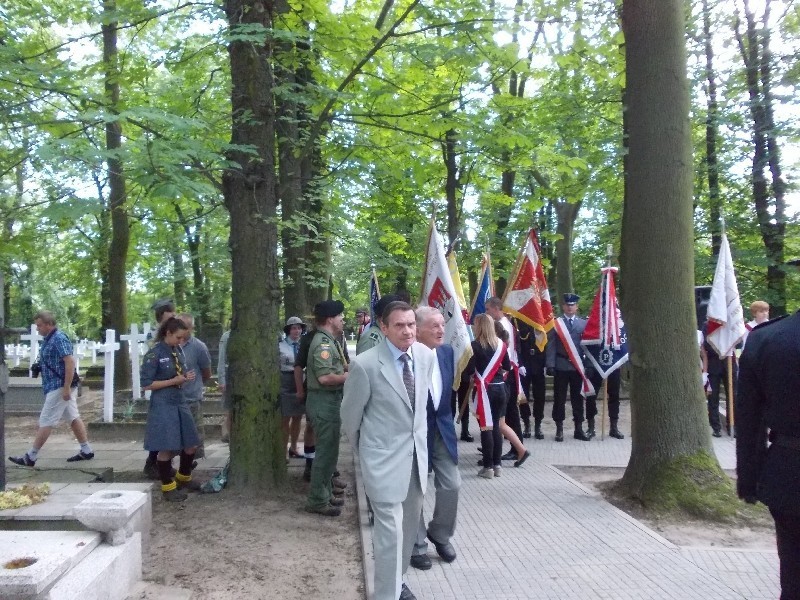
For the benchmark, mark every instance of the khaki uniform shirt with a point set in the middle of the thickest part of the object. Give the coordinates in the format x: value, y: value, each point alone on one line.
x: 325, y: 356
x: 369, y: 339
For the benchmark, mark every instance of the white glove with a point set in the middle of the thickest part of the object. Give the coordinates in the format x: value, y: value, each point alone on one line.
x: 705, y: 380
x: 523, y: 371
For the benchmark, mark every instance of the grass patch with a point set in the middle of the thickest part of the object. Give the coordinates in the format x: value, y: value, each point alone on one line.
x: 692, y: 486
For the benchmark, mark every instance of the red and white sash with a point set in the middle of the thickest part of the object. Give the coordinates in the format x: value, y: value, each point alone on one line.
x: 587, y: 389
x: 480, y: 402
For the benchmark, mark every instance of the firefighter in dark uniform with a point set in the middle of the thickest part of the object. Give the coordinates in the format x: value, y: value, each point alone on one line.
x: 768, y: 435
x: 533, y: 382
x: 326, y: 372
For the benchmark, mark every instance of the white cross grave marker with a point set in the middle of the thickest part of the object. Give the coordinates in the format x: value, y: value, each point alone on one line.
x: 34, y: 338
x: 134, y: 349
x: 93, y: 348
x: 108, y: 388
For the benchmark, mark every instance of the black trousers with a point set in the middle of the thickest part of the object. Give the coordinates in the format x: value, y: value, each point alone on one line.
x: 718, y: 382
x: 456, y: 400
x: 534, y: 388
x: 498, y: 402
x: 613, y: 393
x: 787, y: 532
x: 563, y: 380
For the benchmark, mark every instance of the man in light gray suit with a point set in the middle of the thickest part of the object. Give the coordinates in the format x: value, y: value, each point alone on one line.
x: 384, y: 413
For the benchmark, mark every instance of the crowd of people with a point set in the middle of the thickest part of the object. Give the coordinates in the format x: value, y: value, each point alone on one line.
x: 400, y: 398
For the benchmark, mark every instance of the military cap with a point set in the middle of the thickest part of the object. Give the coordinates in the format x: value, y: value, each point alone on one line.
x: 293, y: 321
x: 163, y: 303
x: 328, y: 308
x: 571, y: 298
x: 362, y: 311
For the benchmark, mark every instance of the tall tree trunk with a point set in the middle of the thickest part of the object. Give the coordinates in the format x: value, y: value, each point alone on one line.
x: 712, y: 133
x: 257, y: 452
x: 290, y: 187
x: 178, y: 271
x: 657, y: 269
x: 451, y: 187
x: 566, y: 214
x: 193, y: 232
x: 117, y: 198
x: 771, y: 213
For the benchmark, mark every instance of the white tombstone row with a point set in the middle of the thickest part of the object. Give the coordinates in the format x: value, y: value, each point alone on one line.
x: 137, y: 346
x: 16, y: 352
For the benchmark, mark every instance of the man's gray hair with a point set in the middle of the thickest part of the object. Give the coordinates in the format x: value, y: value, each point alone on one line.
x: 187, y: 318
x: 424, y: 313
x: 46, y: 317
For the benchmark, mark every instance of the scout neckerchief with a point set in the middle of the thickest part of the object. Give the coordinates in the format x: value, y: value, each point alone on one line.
x: 480, y: 403
x: 587, y: 389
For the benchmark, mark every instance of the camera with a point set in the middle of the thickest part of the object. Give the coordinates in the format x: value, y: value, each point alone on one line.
x: 36, y: 369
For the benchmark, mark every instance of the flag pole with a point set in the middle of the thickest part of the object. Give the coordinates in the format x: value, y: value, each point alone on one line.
x: 375, y: 277
x: 609, y: 255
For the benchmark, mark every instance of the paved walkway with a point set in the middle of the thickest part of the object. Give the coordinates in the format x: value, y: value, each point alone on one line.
x: 536, y: 533
x: 533, y: 533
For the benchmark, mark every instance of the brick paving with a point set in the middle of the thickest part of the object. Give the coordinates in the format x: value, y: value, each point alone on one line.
x: 535, y: 533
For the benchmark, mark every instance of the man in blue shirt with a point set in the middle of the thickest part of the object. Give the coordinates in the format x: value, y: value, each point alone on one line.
x: 57, y: 366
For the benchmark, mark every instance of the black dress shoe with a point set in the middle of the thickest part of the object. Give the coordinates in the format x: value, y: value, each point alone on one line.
x: 580, y: 435
x: 405, y: 593
x: 616, y: 433
x: 446, y: 551
x: 466, y: 437
x: 526, y: 456
x: 510, y: 455
x: 717, y: 433
x: 421, y: 562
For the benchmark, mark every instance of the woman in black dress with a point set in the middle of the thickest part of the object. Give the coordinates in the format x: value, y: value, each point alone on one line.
x: 487, y: 366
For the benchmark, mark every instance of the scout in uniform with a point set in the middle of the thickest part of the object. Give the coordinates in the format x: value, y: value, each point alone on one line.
x: 326, y: 372
x: 372, y: 335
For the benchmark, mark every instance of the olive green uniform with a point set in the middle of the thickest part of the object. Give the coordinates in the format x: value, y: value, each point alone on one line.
x: 369, y: 339
x: 323, y: 403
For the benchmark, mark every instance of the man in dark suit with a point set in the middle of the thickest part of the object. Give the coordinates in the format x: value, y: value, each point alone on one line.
x: 442, y: 444
x: 767, y: 408
x: 564, y: 366
x: 716, y: 368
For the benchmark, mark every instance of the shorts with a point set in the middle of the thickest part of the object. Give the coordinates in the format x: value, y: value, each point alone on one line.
x: 55, y: 407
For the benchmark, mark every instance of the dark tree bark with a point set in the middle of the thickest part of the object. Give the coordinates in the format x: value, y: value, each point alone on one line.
x: 566, y: 215
x: 117, y: 199
x: 257, y: 452
x: 193, y: 234
x: 770, y: 204
x: 290, y: 187
x: 657, y: 263
x: 451, y: 184
x: 712, y: 133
